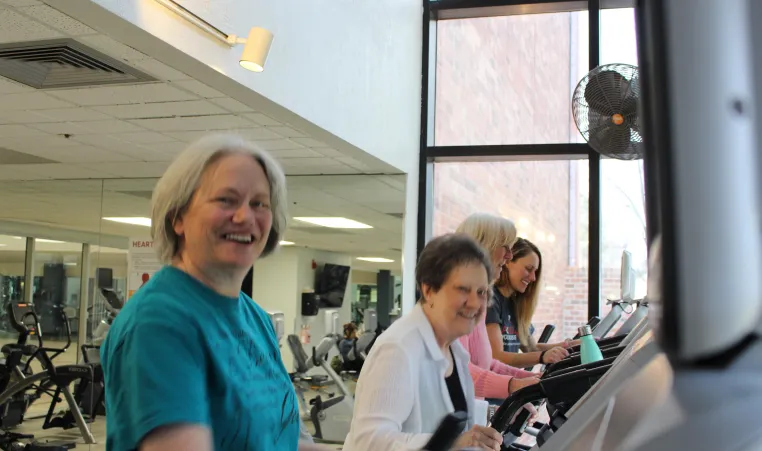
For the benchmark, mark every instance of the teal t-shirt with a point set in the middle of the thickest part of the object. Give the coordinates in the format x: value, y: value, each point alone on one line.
x: 180, y: 353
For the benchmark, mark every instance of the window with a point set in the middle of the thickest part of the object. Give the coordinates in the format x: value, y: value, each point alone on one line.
x: 623, y: 221
x: 545, y: 201
x: 509, y: 79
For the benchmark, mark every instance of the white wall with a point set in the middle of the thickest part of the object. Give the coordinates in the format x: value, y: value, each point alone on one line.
x: 352, y: 68
x: 277, y: 286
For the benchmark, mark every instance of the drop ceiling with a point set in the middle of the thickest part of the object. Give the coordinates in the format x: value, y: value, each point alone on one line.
x: 133, y: 130
x: 56, y: 145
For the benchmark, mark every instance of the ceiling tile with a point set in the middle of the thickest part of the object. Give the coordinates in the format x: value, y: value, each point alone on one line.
x: 295, y: 153
x: 142, y: 153
x: 18, y: 3
x: 308, y: 142
x: 112, y: 48
x: 328, y: 152
x: 14, y: 131
x: 310, y: 162
x: 73, y: 115
x: 144, y: 137
x: 37, y: 143
x: 261, y: 119
x: 278, y: 144
x: 349, y: 161
x: 134, y: 169
x: 60, y: 128
x: 232, y: 105
x: 65, y: 171
x: 320, y: 170
x: 220, y: 122
x: 14, y: 172
x: 57, y: 20
x: 8, y: 156
x: 173, y: 147
x: 111, y: 126
x: 30, y: 101
x: 20, y: 28
x: 160, y: 70
x: 255, y: 134
x: 162, y: 109
x: 84, y: 154
x: 104, y: 142
x: 9, y: 86
x: 22, y: 117
x: 287, y: 132
x: 199, y: 88
x: 123, y: 95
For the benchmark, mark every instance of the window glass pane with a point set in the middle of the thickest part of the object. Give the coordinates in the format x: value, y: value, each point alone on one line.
x: 623, y: 221
x: 544, y: 200
x: 618, y: 38
x: 57, y: 273
x: 12, y: 249
x: 509, y: 79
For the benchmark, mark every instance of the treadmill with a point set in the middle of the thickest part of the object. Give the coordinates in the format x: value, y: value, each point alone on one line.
x: 633, y: 351
x: 574, y: 428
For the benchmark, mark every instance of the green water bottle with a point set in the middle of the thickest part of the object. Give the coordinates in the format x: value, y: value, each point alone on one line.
x: 588, y: 349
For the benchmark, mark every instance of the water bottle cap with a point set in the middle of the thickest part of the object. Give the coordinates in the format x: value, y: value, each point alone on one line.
x: 584, y: 330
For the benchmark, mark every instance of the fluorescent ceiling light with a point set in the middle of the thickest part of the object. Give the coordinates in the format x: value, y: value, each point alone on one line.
x: 134, y: 221
x: 43, y: 240
x: 335, y: 223
x: 375, y: 259
x: 286, y: 243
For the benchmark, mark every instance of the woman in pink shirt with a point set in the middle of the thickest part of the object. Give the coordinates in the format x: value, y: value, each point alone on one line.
x: 492, y: 378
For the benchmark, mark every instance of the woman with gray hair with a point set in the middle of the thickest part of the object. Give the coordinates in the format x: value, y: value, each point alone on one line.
x: 191, y: 363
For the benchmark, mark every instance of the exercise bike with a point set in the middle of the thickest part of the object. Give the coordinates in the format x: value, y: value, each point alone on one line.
x: 16, y: 380
x: 331, y: 416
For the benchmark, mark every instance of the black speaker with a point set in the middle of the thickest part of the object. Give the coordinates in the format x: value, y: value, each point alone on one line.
x: 310, y: 304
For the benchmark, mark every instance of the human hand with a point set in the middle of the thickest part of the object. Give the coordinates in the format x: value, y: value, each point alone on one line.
x: 553, y: 355
x: 568, y: 343
x: 532, y: 413
x: 516, y: 384
x: 481, y: 437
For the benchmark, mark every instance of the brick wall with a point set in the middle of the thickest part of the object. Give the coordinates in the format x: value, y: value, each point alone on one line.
x: 508, y: 80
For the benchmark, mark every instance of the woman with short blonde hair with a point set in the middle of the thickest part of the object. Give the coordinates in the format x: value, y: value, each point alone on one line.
x: 493, y: 379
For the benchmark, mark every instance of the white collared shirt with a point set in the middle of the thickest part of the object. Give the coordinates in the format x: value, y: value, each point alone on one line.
x: 402, y: 395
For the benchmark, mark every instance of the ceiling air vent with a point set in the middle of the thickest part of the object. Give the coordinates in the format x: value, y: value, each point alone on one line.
x: 63, y: 63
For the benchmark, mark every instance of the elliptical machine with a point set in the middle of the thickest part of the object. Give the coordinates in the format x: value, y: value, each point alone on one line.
x: 331, y: 416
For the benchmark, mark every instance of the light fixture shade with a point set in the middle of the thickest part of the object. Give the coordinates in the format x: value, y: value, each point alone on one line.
x: 256, y: 49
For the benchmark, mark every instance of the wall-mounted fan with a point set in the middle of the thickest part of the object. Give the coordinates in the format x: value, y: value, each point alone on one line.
x: 605, y: 109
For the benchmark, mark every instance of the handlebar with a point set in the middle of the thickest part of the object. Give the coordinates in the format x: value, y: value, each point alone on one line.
x: 555, y: 389
x: 615, y: 340
x: 576, y: 359
x: 447, y: 432
x: 546, y: 333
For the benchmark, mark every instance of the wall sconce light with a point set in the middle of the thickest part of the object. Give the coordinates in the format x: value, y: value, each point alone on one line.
x: 255, y: 50
x: 256, y: 45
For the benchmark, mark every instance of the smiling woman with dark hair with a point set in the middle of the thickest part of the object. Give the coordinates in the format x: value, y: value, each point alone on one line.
x: 417, y: 371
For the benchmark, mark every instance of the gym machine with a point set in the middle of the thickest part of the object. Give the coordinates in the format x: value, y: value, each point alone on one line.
x: 332, y: 416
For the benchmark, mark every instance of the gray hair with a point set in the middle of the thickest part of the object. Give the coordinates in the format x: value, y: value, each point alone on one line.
x: 180, y: 181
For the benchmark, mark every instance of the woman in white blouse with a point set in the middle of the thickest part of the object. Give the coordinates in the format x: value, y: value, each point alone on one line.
x: 417, y: 371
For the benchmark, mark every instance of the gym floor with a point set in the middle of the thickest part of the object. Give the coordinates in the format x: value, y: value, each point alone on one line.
x: 98, y: 428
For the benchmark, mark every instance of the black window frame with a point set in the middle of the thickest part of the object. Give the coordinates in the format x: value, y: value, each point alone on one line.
x: 435, y: 10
